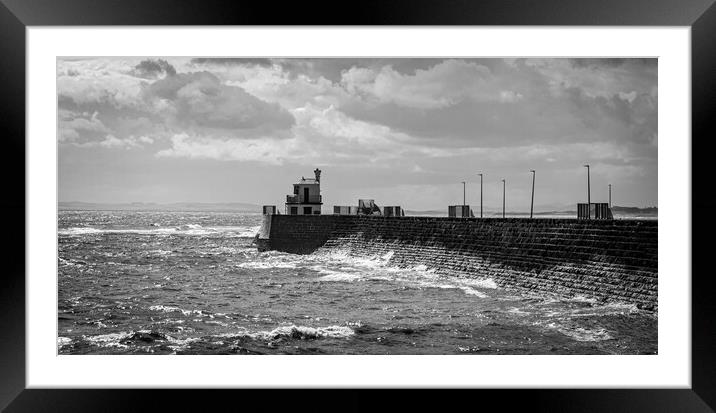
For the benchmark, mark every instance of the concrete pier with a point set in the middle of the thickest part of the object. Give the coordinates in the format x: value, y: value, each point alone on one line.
x: 605, y: 259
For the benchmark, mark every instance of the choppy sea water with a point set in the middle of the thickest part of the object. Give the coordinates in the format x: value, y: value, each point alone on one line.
x: 193, y: 283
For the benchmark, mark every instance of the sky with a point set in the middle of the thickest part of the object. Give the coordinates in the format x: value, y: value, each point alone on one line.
x: 401, y: 131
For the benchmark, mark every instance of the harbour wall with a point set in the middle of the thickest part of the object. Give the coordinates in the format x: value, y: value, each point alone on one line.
x: 603, y: 259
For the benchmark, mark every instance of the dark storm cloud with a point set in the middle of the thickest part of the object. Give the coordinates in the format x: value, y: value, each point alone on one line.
x: 333, y: 68
x: 150, y: 69
x: 637, y: 119
x: 608, y: 62
x: 232, y: 61
x: 580, y: 119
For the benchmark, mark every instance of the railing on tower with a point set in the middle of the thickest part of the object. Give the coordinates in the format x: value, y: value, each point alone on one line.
x: 300, y: 199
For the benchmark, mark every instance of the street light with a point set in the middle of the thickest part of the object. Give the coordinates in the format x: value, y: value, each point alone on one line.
x: 480, y: 195
x: 463, y: 193
x: 503, y: 198
x: 610, y: 195
x: 589, y: 199
x: 533, y: 192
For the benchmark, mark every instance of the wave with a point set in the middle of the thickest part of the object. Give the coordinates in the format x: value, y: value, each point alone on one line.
x: 188, y: 229
x: 170, y: 309
x: 181, y: 344
x: 63, y: 341
x: 109, y: 340
x: 341, y: 266
x: 584, y: 334
x: 127, y: 339
x: 301, y: 333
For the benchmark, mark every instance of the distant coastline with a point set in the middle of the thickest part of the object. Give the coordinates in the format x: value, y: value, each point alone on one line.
x: 619, y: 211
x: 151, y: 206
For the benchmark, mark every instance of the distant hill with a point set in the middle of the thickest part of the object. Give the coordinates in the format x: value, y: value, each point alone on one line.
x: 151, y: 206
x: 618, y: 211
x: 431, y: 213
x: 635, y: 210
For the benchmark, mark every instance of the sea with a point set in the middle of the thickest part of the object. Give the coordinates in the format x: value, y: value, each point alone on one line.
x: 193, y: 282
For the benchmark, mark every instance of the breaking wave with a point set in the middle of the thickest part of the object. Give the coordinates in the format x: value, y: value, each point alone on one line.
x: 339, y: 265
x: 298, y: 332
x: 170, y: 309
x: 344, y: 267
x: 188, y: 229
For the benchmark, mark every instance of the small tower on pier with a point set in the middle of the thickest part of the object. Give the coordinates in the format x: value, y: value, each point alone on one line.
x: 306, y: 198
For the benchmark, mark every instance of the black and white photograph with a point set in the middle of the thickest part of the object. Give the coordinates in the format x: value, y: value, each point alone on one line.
x: 357, y: 205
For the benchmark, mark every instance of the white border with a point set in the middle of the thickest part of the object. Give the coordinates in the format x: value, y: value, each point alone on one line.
x: 670, y: 368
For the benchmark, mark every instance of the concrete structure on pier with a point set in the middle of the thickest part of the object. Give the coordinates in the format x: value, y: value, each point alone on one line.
x: 306, y: 198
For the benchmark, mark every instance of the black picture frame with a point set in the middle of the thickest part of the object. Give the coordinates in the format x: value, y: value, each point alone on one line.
x: 16, y: 15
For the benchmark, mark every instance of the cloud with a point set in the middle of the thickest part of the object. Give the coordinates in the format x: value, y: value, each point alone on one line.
x: 80, y: 127
x: 442, y: 85
x: 269, y: 151
x: 200, y: 99
x: 361, y: 111
x: 231, y: 61
x: 523, y: 101
x: 151, y: 69
x: 320, y: 136
x: 599, y: 63
x: 126, y: 98
x: 102, y: 81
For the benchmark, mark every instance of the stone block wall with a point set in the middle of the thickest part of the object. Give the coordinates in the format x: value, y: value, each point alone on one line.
x: 606, y: 259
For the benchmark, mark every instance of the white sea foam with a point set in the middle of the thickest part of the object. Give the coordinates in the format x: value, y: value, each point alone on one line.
x: 266, y: 264
x: 293, y: 331
x: 472, y: 291
x: 109, y: 340
x: 340, y: 275
x: 170, y: 309
x: 479, y: 282
x: 188, y: 229
x: 308, y: 332
x: 586, y: 334
x: 340, y: 266
x: 610, y: 308
x: 79, y: 231
x: 63, y: 341
x: 180, y: 344
x: 160, y: 252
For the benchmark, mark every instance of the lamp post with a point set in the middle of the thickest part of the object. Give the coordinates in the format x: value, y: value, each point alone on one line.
x: 589, y: 199
x: 610, y: 195
x: 480, y: 195
x: 463, y: 193
x: 503, y: 198
x: 532, y: 203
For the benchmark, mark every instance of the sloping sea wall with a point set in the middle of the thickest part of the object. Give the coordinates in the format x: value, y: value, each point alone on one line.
x: 605, y: 259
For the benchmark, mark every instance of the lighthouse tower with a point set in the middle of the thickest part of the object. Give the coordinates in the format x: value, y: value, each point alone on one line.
x: 306, y: 198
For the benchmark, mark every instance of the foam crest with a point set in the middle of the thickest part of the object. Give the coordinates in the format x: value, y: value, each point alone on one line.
x: 170, y: 309
x: 188, y: 229
x: 63, y: 341
x: 487, y: 283
x: 109, y: 340
x: 586, y: 334
x: 181, y: 344
x: 302, y: 332
x: 341, y: 266
x: 266, y: 264
x: 79, y: 231
x: 345, y: 276
x: 294, y: 332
